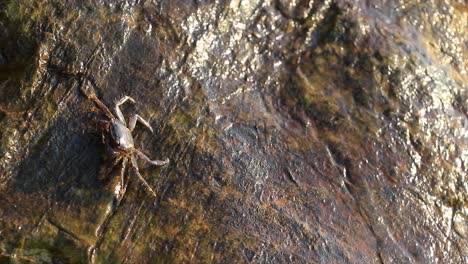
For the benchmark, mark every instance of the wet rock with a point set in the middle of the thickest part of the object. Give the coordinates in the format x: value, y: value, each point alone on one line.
x: 297, y: 131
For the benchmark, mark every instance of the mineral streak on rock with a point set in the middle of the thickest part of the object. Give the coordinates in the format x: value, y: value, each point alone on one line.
x: 298, y: 131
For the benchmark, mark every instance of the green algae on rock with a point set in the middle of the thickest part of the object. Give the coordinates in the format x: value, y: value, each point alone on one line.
x: 298, y: 131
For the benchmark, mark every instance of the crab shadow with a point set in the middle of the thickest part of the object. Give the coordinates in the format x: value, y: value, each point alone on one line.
x: 65, y: 160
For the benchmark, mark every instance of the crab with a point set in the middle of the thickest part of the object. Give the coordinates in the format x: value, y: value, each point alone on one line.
x: 117, y: 133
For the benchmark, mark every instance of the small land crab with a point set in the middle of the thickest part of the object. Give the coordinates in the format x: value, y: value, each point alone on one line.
x: 118, y: 135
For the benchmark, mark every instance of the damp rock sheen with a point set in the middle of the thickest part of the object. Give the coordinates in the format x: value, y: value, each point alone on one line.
x: 297, y: 131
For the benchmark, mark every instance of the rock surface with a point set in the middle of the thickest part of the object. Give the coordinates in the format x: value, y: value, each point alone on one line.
x: 297, y: 131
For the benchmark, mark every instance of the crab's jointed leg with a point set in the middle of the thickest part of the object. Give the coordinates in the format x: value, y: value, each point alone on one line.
x: 154, y: 162
x: 134, y: 118
x: 137, y: 171
x: 122, y: 176
x: 116, y: 161
x: 117, y: 107
x: 102, y: 106
x: 89, y: 92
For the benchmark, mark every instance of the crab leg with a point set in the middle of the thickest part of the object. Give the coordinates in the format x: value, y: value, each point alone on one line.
x: 122, y: 175
x: 117, y: 107
x: 134, y: 118
x: 116, y: 161
x: 154, y: 162
x: 102, y: 106
x: 89, y: 92
x: 135, y: 166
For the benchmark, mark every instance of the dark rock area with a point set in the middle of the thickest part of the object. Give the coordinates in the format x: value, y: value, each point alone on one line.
x: 297, y: 131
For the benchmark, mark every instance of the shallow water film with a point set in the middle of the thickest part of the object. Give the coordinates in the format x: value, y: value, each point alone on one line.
x: 297, y: 131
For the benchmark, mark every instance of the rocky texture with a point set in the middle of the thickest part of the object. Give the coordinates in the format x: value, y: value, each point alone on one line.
x: 298, y: 131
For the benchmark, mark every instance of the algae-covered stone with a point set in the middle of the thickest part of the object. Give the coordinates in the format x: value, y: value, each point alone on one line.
x: 298, y: 131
